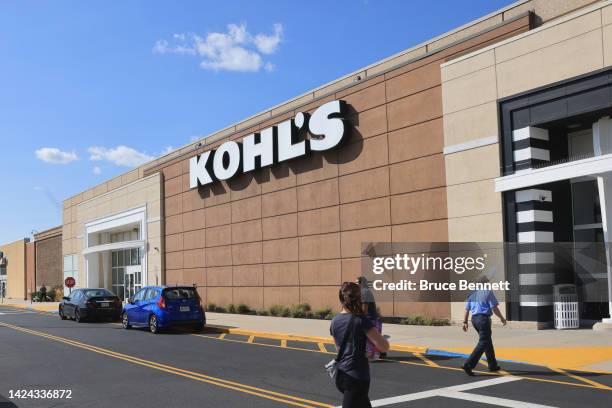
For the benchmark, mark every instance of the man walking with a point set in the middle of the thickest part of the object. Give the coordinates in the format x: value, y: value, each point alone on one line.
x: 481, y: 304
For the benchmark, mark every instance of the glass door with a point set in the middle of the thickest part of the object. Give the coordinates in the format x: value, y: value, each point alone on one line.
x: 133, y: 280
x: 2, y: 288
x: 589, y: 249
x: 126, y: 272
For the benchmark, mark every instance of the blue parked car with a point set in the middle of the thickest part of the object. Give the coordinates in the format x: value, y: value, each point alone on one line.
x: 161, y: 307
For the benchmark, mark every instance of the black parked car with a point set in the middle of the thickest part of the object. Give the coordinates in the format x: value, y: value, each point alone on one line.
x: 89, y: 304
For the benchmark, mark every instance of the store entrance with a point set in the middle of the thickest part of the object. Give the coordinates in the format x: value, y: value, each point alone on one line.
x: 126, y: 272
x: 589, y: 253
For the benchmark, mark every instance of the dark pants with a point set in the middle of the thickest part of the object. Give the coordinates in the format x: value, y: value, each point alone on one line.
x: 355, y: 391
x: 482, y: 324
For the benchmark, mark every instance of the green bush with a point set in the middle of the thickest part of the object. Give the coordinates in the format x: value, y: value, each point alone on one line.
x: 231, y: 308
x: 330, y: 315
x: 424, y: 321
x: 301, y: 310
x: 49, y: 296
x: 263, y: 313
x: 211, y: 307
x: 220, y: 309
x: 322, y: 313
x: 243, y: 309
x: 280, y: 311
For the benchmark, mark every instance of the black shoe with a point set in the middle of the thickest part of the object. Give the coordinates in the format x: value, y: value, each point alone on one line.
x: 468, y: 370
x: 494, y: 369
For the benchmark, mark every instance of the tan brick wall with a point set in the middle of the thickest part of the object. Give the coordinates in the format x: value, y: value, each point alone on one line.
x: 15, y: 253
x: 293, y: 233
x: 49, y: 271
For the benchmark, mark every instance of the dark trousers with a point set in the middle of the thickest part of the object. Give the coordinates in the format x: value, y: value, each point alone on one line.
x: 355, y: 391
x: 482, y: 324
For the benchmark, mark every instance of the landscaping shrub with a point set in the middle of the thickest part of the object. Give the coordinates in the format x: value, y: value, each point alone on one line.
x: 220, y: 309
x: 231, y: 308
x: 263, y: 313
x: 211, y: 307
x: 301, y: 310
x: 424, y: 321
x: 322, y: 313
x: 330, y: 315
x: 243, y: 309
x: 280, y: 311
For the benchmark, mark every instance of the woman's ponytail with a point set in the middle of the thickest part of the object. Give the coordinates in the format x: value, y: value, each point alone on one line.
x: 350, y: 297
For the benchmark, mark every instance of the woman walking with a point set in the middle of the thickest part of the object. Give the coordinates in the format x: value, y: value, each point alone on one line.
x: 353, y: 378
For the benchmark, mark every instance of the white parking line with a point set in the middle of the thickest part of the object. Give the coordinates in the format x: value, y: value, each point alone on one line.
x: 16, y: 312
x: 456, y: 391
x: 500, y: 402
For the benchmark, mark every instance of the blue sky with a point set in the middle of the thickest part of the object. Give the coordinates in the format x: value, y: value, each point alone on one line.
x: 88, y: 89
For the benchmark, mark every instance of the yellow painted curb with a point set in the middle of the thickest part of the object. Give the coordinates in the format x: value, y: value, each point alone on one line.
x: 33, y: 306
x: 569, y: 358
x: 310, y: 339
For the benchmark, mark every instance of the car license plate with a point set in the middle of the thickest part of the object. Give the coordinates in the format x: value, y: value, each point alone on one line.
x: 105, y: 304
x: 184, y: 308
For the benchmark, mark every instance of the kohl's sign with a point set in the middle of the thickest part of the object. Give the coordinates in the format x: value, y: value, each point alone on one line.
x: 272, y: 145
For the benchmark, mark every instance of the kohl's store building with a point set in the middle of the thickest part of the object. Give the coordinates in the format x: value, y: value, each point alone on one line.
x: 496, y: 131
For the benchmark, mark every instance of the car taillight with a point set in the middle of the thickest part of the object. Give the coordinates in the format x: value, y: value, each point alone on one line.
x: 161, y: 303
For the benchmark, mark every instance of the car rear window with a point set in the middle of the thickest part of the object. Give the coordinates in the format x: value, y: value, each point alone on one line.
x: 180, y: 293
x: 97, y: 293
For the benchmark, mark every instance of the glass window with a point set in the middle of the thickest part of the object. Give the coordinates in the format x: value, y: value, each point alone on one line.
x: 180, y: 293
x: 585, y: 197
x: 152, y: 294
x: 135, y: 257
x: 97, y: 293
x: 140, y: 295
x: 71, y: 266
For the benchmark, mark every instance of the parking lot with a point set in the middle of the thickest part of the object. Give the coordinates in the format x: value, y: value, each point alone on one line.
x: 103, y: 364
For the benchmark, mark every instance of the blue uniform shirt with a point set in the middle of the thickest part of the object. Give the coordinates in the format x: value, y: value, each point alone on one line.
x: 481, y: 302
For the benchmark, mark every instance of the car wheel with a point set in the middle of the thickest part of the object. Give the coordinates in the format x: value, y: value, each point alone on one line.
x: 125, y: 321
x: 77, y: 316
x: 61, y: 313
x: 198, y: 327
x: 153, y: 328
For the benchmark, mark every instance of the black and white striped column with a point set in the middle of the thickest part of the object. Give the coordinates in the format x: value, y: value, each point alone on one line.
x: 534, y: 220
x: 531, y: 147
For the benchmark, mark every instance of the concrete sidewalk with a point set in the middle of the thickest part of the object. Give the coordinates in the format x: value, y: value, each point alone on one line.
x: 582, y: 349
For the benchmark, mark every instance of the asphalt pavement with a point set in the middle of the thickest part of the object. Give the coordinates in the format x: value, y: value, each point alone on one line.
x: 103, y: 365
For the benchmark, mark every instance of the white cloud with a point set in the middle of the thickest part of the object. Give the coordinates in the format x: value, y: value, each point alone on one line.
x: 234, y: 50
x: 267, y: 44
x: 97, y: 170
x: 54, y: 155
x: 119, y: 156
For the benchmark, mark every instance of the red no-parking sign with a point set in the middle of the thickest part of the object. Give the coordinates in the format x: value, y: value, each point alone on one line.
x: 69, y: 282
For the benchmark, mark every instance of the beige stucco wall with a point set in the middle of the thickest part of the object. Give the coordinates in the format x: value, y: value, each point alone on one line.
x: 578, y: 43
x: 572, y: 45
x: 15, y: 254
x: 137, y: 193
